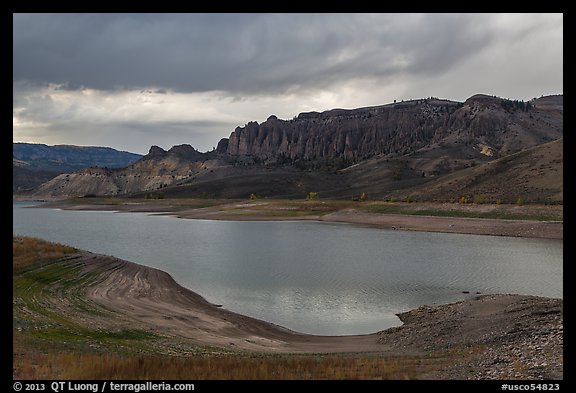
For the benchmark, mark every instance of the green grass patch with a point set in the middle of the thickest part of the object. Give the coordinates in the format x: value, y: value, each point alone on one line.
x: 172, y: 203
x: 384, y: 209
x: 288, y: 208
x: 74, y: 332
x: 50, y: 310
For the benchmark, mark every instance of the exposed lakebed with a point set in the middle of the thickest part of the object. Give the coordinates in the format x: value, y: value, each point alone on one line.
x: 321, y: 278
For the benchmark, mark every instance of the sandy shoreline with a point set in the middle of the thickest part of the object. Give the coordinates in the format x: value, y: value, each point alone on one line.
x: 152, y: 300
x: 245, y: 212
x: 477, y: 226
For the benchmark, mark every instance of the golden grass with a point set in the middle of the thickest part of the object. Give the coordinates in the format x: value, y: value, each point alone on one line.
x: 77, y: 365
x: 29, y: 251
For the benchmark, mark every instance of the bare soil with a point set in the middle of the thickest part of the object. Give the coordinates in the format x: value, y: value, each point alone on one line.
x: 478, y: 226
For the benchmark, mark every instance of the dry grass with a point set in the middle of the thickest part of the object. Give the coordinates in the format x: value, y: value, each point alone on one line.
x: 171, y: 203
x: 483, y: 210
x: 77, y: 365
x: 28, y: 252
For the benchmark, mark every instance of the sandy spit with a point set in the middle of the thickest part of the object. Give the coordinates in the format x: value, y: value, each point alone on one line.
x: 477, y: 226
x: 154, y: 301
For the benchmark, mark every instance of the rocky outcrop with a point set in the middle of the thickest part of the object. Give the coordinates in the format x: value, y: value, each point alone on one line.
x: 158, y: 169
x: 155, y: 151
x: 183, y: 151
x: 504, y: 126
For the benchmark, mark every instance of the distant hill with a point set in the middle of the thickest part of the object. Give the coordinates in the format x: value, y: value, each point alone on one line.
x: 69, y: 158
x: 400, y: 149
x: 156, y: 170
x: 34, y: 164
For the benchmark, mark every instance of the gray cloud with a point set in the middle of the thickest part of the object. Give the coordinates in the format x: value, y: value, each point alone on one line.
x: 132, y: 136
x: 237, y: 52
x: 142, y: 79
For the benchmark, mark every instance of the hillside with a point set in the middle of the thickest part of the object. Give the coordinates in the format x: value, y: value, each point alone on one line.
x: 34, y: 164
x: 396, y: 149
x: 24, y: 178
x: 152, y: 172
x: 535, y: 175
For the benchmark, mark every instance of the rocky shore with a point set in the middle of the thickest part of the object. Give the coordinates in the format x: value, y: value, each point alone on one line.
x: 501, y: 336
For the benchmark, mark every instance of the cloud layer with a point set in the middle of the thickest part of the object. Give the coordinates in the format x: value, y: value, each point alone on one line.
x: 191, y: 78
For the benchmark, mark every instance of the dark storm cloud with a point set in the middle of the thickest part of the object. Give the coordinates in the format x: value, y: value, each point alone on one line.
x: 239, y: 53
x: 133, y: 80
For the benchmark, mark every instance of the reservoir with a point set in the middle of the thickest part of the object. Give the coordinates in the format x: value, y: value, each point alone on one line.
x: 312, y: 277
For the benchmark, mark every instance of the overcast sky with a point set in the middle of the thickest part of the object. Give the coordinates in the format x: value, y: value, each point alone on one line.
x: 130, y: 81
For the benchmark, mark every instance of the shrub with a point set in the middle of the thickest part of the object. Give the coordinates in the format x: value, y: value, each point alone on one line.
x: 312, y: 196
x: 155, y: 195
x: 463, y: 200
x: 479, y: 199
x: 520, y: 201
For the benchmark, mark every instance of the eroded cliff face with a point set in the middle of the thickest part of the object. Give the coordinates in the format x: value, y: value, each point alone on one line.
x: 398, y: 128
x: 342, y: 152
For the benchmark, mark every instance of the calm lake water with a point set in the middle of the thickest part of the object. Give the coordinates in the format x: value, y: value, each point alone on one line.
x: 320, y: 278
